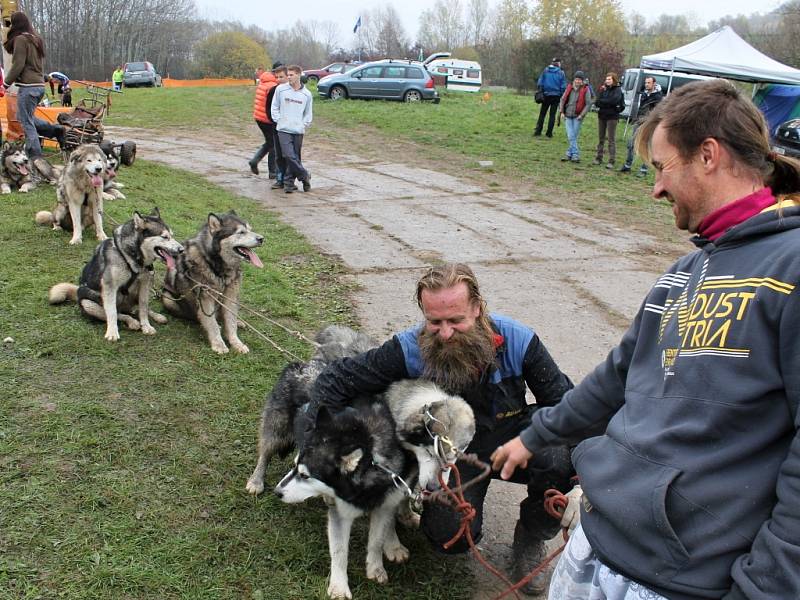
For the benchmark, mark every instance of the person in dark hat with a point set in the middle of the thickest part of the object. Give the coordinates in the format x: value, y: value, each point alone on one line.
x: 575, y: 105
x: 552, y: 83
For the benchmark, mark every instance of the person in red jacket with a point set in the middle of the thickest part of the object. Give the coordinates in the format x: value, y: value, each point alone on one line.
x: 263, y: 98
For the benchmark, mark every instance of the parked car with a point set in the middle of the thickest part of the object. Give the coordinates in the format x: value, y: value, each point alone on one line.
x: 338, y: 67
x: 388, y: 79
x: 140, y: 73
x: 786, y: 141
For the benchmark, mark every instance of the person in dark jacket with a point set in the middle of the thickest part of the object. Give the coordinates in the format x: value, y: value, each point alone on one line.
x: 262, y: 104
x: 27, y: 53
x: 488, y: 359
x: 692, y: 488
x: 648, y: 99
x: 610, y: 103
x: 552, y: 83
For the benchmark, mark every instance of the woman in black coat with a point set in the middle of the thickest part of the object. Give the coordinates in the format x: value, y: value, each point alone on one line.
x: 610, y: 103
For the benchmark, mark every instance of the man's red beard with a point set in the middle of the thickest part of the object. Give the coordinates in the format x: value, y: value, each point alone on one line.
x: 456, y: 364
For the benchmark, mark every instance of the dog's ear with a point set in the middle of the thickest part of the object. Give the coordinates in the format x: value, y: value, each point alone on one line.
x: 233, y: 213
x: 438, y: 411
x: 155, y: 212
x: 349, y: 462
x: 138, y: 221
x: 6, y: 146
x: 214, y: 223
x: 76, y: 156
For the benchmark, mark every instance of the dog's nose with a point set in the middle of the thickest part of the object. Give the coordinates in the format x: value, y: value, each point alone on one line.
x: 181, y: 249
x: 260, y: 239
x: 278, y: 492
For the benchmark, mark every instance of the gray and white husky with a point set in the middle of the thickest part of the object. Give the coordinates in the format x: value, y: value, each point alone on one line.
x: 351, y: 458
x: 111, y: 187
x: 15, y: 168
x: 79, y: 194
x: 115, y: 284
x: 207, y: 279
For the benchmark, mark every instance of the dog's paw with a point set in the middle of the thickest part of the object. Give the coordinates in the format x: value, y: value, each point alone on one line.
x: 219, y: 347
x: 240, y: 347
x: 377, y: 573
x: 101, y: 236
x: 5, y: 189
x: 75, y: 241
x: 255, y: 486
x: 158, y: 318
x: 25, y: 188
x: 107, y: 196
x: 148, y: 329
x: 112, y: 336
x: 397, y: 553
x: 339, y: 590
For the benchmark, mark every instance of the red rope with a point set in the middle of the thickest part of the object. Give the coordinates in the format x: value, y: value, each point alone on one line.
x: 554, y: 502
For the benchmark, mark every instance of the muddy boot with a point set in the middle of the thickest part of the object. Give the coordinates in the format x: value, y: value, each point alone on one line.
x: 527, y: 553
x: 45, y: 169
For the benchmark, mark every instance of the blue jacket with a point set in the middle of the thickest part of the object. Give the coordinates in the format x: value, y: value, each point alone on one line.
x: 694, y: 488
x: 498, y: 399
x: 552, y: 81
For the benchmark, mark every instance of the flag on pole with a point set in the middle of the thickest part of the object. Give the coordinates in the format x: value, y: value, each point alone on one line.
x: 358, y: 24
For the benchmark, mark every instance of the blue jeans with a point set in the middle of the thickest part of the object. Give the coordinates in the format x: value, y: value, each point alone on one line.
x: 573, y: 126
x: 27, y: 100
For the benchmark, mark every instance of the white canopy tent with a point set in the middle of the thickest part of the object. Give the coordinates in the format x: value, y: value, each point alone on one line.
x: 723, y: 54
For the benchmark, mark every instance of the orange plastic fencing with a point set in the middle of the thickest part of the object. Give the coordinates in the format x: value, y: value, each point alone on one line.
x: 174, y: 83
x: 12, y: 129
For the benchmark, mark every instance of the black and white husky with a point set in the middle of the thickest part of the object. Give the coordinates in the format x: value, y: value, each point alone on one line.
x: 355, y: 460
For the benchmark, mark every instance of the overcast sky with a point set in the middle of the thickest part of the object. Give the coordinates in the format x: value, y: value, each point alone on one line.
x: 281, y: 14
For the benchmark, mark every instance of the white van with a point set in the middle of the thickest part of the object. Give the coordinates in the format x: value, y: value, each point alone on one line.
x: 463, y: 75
x: 633, y: 83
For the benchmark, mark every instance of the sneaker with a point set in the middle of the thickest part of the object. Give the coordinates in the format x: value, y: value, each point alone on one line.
x: 277, y: 185
x: 575, y: 159
x: 624, y: 169
x: 566, y: 158
x: 527, y: 554
x: 597, y: 161
x: 307, y: 184
x: 641, y: 174
x: 549, y: 135
x: 253, y: 167
x: 610, y: 166
x: 290, y: 188
x: 537, y: 134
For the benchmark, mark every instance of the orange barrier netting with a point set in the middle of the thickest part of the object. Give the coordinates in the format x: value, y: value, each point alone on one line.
x: 174, y: 83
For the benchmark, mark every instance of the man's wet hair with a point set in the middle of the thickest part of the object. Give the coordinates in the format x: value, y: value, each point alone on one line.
x: 716, y: 109
x: 449, y: 275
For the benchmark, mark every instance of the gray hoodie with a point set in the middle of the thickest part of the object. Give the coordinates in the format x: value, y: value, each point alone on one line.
x: 291, y: 109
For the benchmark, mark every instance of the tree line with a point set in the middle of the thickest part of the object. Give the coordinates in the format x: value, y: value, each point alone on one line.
x: 87, y: 39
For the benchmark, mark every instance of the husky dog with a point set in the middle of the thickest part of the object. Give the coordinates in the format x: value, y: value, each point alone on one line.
x: 207, y: 280
x: 79, y: 194
x: 350, y: 459
x: 111, y: 187
x: 15, y: 168
x: 115, y: 284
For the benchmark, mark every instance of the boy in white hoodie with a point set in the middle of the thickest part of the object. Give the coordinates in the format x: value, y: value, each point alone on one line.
x: 291, y: 110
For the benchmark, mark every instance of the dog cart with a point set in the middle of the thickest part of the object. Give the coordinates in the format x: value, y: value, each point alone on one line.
x: 84, y: 124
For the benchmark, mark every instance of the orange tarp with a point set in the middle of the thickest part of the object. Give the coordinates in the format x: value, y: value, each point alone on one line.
x: 12, y: 130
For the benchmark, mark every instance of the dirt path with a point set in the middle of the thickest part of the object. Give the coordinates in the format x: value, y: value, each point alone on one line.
x: 576, y: 280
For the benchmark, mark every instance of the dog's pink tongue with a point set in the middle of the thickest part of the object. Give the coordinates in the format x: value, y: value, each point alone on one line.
x: 22, y: 169
x: 254, y: 260
x: 168, y: 258
x: 97, y: 181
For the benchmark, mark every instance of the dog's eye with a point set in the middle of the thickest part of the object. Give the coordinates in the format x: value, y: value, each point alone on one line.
x: 302, y: 475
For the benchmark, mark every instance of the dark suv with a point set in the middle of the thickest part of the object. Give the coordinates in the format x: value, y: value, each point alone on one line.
x: 388, y: 79
x: 787, y: 138
x: 140, y: 73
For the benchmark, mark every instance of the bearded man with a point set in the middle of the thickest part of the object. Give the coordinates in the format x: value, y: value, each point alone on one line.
x: 488, y: 359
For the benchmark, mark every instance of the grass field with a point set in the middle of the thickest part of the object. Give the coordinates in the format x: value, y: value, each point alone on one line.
x: 122, y: 466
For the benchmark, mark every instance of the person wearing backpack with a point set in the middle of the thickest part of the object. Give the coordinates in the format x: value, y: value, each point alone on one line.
x: 610, y: 103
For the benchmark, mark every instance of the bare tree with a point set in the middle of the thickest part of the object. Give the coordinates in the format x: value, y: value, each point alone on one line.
x: 476, y: 20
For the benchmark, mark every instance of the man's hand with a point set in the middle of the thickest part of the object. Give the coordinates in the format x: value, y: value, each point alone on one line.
x: 572, y: 513
x: 509, y: 456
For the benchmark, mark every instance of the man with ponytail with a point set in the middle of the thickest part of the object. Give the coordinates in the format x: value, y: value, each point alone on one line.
x: 692, y: 490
